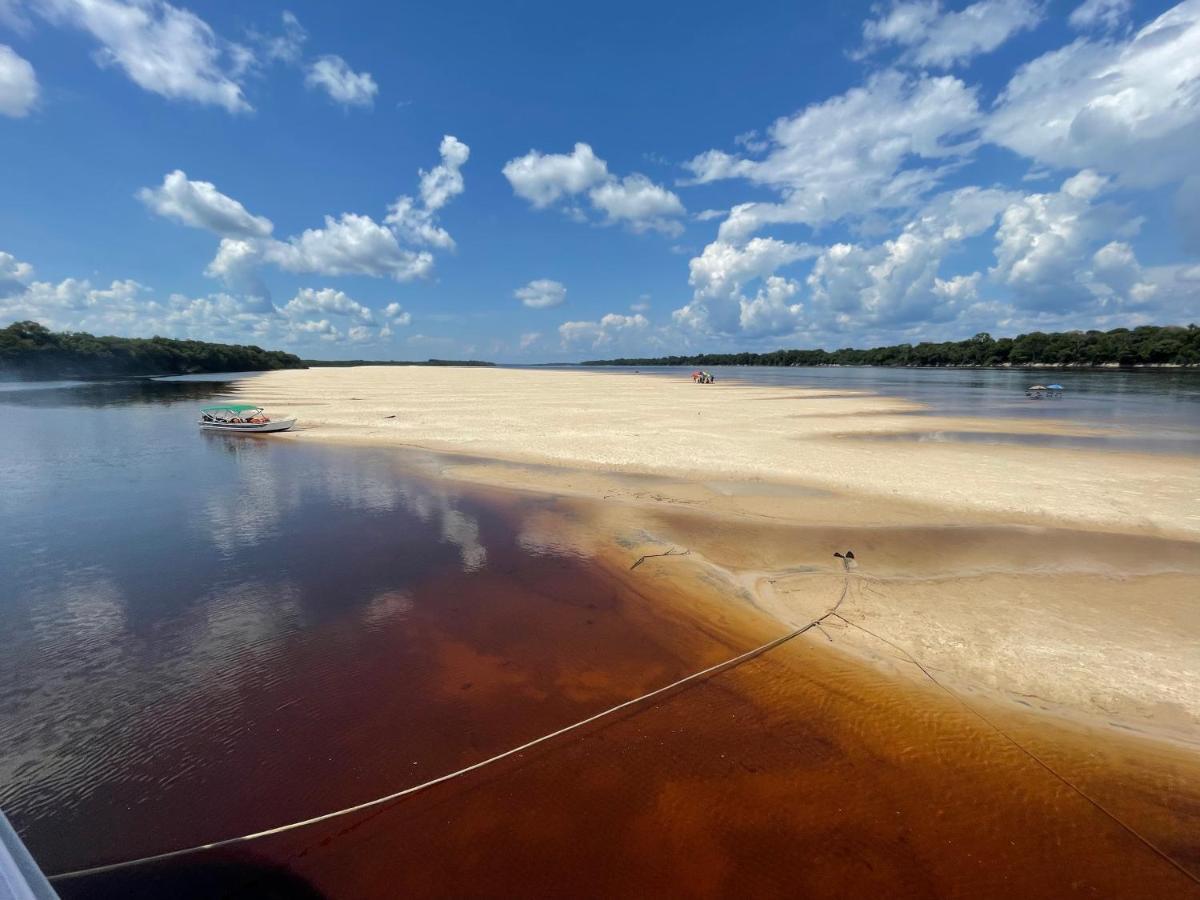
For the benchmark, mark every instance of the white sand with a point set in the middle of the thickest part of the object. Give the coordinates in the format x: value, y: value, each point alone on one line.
x: 657, y: 425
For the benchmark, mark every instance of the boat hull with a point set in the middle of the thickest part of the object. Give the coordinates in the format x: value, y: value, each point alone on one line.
x: 248, y: 427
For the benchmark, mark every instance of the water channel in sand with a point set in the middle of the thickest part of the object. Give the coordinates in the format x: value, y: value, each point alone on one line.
x: 209, y: 636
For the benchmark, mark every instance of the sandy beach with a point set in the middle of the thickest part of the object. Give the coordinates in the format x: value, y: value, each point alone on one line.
x: 1053, y: 579
x: 654, y: 425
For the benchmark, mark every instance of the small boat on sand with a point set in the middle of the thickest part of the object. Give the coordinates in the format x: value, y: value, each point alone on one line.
x: 243, y: 418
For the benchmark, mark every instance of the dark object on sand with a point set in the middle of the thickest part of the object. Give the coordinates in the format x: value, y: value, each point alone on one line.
x: 849, y: 554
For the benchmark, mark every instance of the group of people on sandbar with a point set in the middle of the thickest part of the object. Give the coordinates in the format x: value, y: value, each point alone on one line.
x: 703, y: 377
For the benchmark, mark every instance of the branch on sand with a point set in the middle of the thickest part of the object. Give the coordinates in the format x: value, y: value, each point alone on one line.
x: 671, y: 552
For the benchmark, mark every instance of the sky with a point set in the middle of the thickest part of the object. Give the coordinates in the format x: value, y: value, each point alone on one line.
x: 542, y: 181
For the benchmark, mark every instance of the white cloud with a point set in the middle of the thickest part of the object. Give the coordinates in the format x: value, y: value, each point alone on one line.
x: 547, y: 178
x: 959, y: 288
x: 333, y: 75
x: 288, y: 46
x: 201, y: 205
x: 416, y: 222
x: 721, y: 273
x: 639, y: 202
x: 13, y: 274
x: 542, y: 179
x: 1105, y: 14
x: 395, y: 314
x: 18, y: 84
x: 349, y: 244
x: 613, y: 328
x: 444, y: 182
x: 128, y: 308
x: 161, y: 48
x: 723, y: 268
x: 1044, y: 247
x: 932, y: 37
x: 896, y: 283
x: 529, y: 338
x: 1128, y: 107
x: 542, y: 293
x: 880, y: 146
x: 327, y: 301
x: 770, y: 311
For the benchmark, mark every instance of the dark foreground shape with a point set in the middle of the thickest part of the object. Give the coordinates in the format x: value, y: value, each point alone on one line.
x: 232, y: 879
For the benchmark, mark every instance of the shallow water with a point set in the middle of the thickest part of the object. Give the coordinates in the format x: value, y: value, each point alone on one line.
x: 208, y: 635
x: 1150, y: 410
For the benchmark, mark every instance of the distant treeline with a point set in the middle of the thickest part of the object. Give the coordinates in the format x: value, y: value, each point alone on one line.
x: 1148, y: 345
x: 30, y: 350
x: 317, y: 363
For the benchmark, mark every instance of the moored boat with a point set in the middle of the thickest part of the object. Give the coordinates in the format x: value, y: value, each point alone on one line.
x: 242, y: 418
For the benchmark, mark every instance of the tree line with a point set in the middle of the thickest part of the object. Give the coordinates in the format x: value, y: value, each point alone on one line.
x: 320, y: 363
x: 30, y: 350
x: 1146, y: 345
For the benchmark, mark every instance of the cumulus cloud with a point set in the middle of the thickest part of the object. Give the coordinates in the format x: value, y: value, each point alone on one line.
x: 1103, y: 14
x: 880, y: 146
x: 415, y: 222
x: 128, y: 308
x: 612, y: 329
x: 333, y: 75
x: 635, y: 201
x: 1045, y: 247
x: 161, y: 48
x: 327, y: 301
x: 349, y: 244
x: 13, y: 274
x: 1128, y: 107
x: 395, y: 314
x: 18, y: 84
x: 931, y: 37
x: 444, y: 182
x: 544, y: 178
x: 200, y: 205
x: 542, y: 293
x: 640, y: 203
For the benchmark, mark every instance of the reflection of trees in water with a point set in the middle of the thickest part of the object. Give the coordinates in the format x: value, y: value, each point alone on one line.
x: 123, y: 392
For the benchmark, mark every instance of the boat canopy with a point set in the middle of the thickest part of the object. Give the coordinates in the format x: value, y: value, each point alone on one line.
x: 1036, y: 387
x: 1054, y: 387
x: 231, y: 407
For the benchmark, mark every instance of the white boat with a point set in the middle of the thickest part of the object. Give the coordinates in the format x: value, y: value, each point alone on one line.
x: 242, y: 418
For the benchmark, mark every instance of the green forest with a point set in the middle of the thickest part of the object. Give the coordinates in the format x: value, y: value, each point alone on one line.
x: 30, y: 350
x: 1147, y: 345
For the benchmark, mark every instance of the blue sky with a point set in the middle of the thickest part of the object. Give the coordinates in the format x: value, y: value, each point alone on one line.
x: 537, y: 181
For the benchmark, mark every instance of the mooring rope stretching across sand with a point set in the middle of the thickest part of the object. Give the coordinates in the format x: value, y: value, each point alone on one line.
x: 458, y: 773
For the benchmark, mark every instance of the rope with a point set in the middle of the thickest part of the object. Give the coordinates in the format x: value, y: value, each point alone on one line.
x: 458, y: 773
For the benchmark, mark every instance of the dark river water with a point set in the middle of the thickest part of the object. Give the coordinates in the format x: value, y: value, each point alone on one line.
x: 205, y: 636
